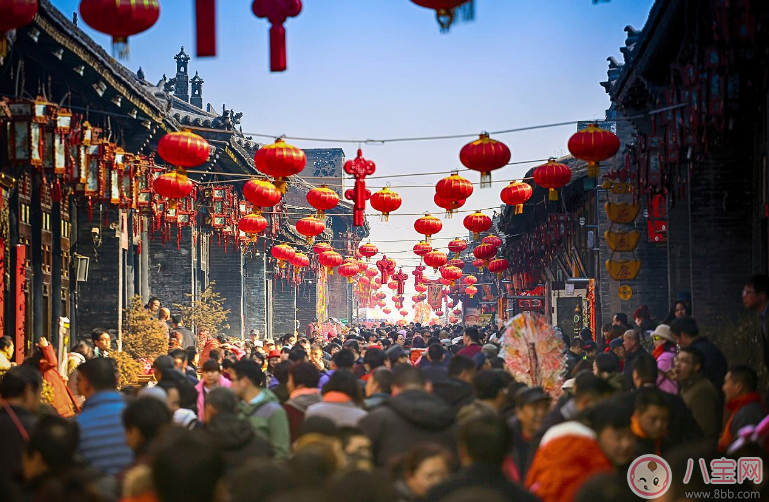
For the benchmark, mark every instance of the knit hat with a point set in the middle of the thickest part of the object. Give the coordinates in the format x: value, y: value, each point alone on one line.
x: 490, y: 350
x: 616, y: 343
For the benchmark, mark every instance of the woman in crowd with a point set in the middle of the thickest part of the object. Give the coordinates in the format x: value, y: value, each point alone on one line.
x: 420, y: 469
x: 665, y: 353
x: 342, y: 398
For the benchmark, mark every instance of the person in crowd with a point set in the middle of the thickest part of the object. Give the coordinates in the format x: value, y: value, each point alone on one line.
x: 650, y: 422
x: 183, y: 417
x: 490, y: 390
x: 378, y: 388
x: 589, y: 348
x: 6, y: 353
x: 755, y: 297
x: 188, y: 339
x: 44, y: 359
x: 180, y: 363
x: 606, y: 367
x: 643, y: 319
x: 342, y: 360
x: 574, y: 355
x: 261, y: 408
x: 435, y: 370
x: 665, y: 351
x: 317, y: 357
x: 679, y: 309
x: 688, y: 335
x: 472, y: 342
x: 617, y: 348
x: 174, y: 340
x: 373, y: 359
x: 280, y: 376
x: 743, y: 402
x: 153, y: 305
x: 531, y: 407
x: 260, y: 480
x: 212, y: 378
x: 396, y: 355
x: 483, y: 445
x: 20, y: 391
x: 342, y: 400
x: 164, y: 316
x: 102, y: 441
x: 420, y: 469
x: 101, y: 342
x: 633, y: 349
x: 606, y: 333
x: 356, y: 447
x: 620, y: 319
x: 457, y: 390
x: 303, y: 392
x: 144, y: 420
x: 698, y: 392
x: 411, y: 416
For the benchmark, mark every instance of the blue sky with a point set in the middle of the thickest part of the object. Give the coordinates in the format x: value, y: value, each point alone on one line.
x: 381, y: 68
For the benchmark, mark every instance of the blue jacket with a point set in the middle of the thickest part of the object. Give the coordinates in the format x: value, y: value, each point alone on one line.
x: 102, y: 437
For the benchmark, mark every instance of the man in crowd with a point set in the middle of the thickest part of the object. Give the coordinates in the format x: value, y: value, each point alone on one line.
x: 490, y: 390
x: 457, y: 390
x: 650, y: 421
x: 435, y: 370
x: 188, y: 339
x: 688, y: 335
x: 20, y: 393
x: 633, y: 349
x: 698, y: 391
x: 101, y: 342
x: 342, y: 360
x: 472, y: 341
x: 743, y: 403
x: 573, y: 355
x: 378, y: 388
x: 620, y: 319
x: 531, y: 407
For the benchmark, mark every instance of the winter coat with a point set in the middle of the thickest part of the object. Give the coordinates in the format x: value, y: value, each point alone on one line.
x: 743, y: 410
x: 376, y: 400
x: 344, y: 413
x: 268, y: 419
x: 435, y: 372
x: 296, y: 407
x: 630, y: 358
x: 665, y: 364
x: 474, y: 410
x: 188, y: 339
x: 715, y: 363
x: 13, y: 439
x: 487, y: 477
x: 470, y: 350
x: 102, y: 437
x: 455, y: 392
x: 701, y: 397
x: 63, y: 400
x: 410, y: 418
x: 200, y: 388
x: 235, y: 440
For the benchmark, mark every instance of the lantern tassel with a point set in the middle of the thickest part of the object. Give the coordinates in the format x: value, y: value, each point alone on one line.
x: 593, y: 170
x: 552, y: 194
x: 485, y: 180
x: 277, y: 48
x: 205, y: 27
x: 120, y: 49
x: 385, y: 217
x: 280, y: 184
x: 519, y: 209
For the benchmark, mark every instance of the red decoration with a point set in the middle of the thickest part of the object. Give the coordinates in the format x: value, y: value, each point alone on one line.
x: 392, y: 285
x: 478, y: 263
x: 120, y: 18
x: 444, y: 10
x: 386, y: 201
x: 451, y: 274
x: 515, y: 194
x: 493, y: 240
x: 448, y: 204
x: 381, y: 295
x: 252, y: 225
x: 420, y: 288
x: 498, y: 266
x: 552, y: 176
x: 371, y: 273
x: 322, y: 198
x: 14, y: 14
x: 477, y: 223
x: 261, y: 193
x: 283, y: 253
x: 456, y: 262
x: 471, y: 290
x: 454, y: 187
x: 310, y: 227
x: 348, y: 269
x: 321, y: 247
x: 456, y: 246
x: 205, y: 28
x: 436, y: 259
x: 422, y: 248
x: 404, y: 312
x: 439, y: 313
x: 368, y: 250
x: 20, y: 301
x: 277, y: 11
x: 183, y: 149
x: 418, y: 273
x: 400, y: 278
x: 330, y: 259
x: 485, y: 155
x: 173, y: 186
x: 453, y: 319
x: 470, y: 280
x: 386, y: 310
x: 359, y: 168
x: 300, y: 260
x: 485, y: 252
x: 593, y: 145
x: 428, y: 226
x: 386, y: 267
x: 456, y: 312
x: 280, y: 160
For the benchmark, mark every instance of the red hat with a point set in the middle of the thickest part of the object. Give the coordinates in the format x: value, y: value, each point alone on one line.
x: 274, y: 353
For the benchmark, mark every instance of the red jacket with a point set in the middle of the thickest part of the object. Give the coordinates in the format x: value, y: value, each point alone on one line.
x: 63, y: 400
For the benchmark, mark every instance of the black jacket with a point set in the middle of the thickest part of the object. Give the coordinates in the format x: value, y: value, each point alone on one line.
x: 435, y: 372
x: 188, y: 339
x: 410, y: 418
x: 456, y: 393
x: 235, y: 439
x: 715, y: 362
x: 630, y: 358
x: 488, y: 477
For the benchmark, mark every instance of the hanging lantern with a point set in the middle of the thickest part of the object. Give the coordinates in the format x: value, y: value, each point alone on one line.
x: 471, y: 290
x: 310, y: 227
x: 454, y: 187
x: 381, y: 295
x: 359, y: 168
x: 184, y: 148
x: 376, y: 284
x: 478, y: 263
x: 277, y: 13
x: 436, y: 259
x: 261, y: 193
x: 415, y: 298
x: 422, y: 248
x: 173, y: 186
x: 451, y: 274
x: 456, y: 246
x: 392, y: 285
x: 450, y: 304
x: 439, y: 313
x: 444, y: 10
x: 252, y: 225
x: 456, y: 262
x: 498, y: 266
x: 449, y: 205
x: 386, y: 310
x: 515, y: 194
x: 477, y: 223
x: 493, y: 240
x: 348, y: 269
x: 485, y: 252
x: 422, y: 297
x: 456, y: 312
x: 280, y: 160
x: 322, y: 198
x: 321, y: 247
x: 470, y: 280
x: 120, y: 19
x: 371, y: 273
x: 330, y: 259
x: 593, y: 145
x: 283, y: 253
x: 385, y: 201
x: 368, y: 250
x: 404, y: 312
x: 428, y: 226
x: 362, y: 267
x: 14, y: 14
x: 444, y: 281
x: 420, y: 288
x: 300, y: 260
x: 453, y: 319
x: 552, y: 176
x: 484, y: 155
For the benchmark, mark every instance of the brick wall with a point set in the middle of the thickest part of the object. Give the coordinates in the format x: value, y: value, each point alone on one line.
x: 254, y: 301
x: 171, y: 270
x: 337, y: 296
x: 224, y: 268
x: 283, y: 307
x: 306, y: 302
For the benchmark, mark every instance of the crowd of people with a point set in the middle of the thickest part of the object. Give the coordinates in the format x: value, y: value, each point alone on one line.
x: 392, y: 413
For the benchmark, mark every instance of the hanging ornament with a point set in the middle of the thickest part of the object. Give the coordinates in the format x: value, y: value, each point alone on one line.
x: 181, y: 149
x: 515, y: 194
x: 14, y: 14
x: 485, y: 155
x: 322, y: 198
x: 453, y: 319
x: 368, y: 250
x: 280, y: 160
x: 439, y: 313
x: 451, y: 274
x: 321, y: 247
x: 300, y: 260
x: 422, y: 248
x: 277, y: 11
x: 493, y: 240
x: 456, y: 312
x: 485, y: 252
x: 470, y: 280
x: 386, y: 310
x: 477, y: 223
x: 371, y: 273
x: 261, y: 193
x: 173, y: 186
x: 478, y: 263
x: 400, y: 278
x: 456, y: 262
x: 392, y: 285
x: 283, y: 253
x: 310, y: 227
x: 593, y: 145
x: 330, y: 259
x: 418, y: 273
x: 381, y: 295
x: 386, y: 201
x: 404, y: 312
x: 428, y: 226
x: 471, y: 290
x: 498, y: 266
x: 456, y: 246
x: 415, y: 299
x: 120, y: 19
x: 552, y: 176
x: 444, y: 10
x: 454, y: 187
x: 252, y: 225
x: 205, y: 28
x: 449, y: 205
x: 436, y: 259
x: 386, y: 267
x: 420, y: 288
x: 444, y: 281
x: 359, y: 168
x: 348, y: 269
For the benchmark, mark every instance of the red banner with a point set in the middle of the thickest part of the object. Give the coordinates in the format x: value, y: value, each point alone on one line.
x: 21, y: 301
x: 435, y: 296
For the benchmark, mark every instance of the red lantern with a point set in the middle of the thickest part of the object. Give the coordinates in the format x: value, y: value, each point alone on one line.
x: 368, y: 250
x: 120, y: 19
x: 14, y: 14
x: 552, y: 176
x: 330, y: 259
x: 184, y: 148
x: 277, y: 12
x: 300, y: 260
x: 348, y: 269
x: 453, y: 320
x: 280, y: 160
x: 484, y: 155
x: 362, y: 266
x: 493, y: 240
x: 456, y: 312
x: 310, y: 227
x: 593, y: 145
x: 386, y: 201
x: 321, y: 247
x: 439, y: 313
x: 404, y: 312
x: 359, y: 168
x: 392, y: 285
x: 454, y: 187
x: 420, y: 288
x: 386, y: 310
x: 449, y: 205
x: 456, y: 262
x: 477, y: 223
x: 371, y: 273
x: 436, y: 259
x: 451, y: 274
x: 471, y: 290
x: 515, y: 194
x: 456, y: 246
x: 485, y: 252
x: 322, y: 199
x: 498, y: 266
x: 261, y: 193
x: 252, y: 224
x: 478, y: 263
x: 470, y: 280
x: 444, y: 10
x: 173, y: 186
x: 422, y: 248
x: 445, y: 282
x: 415, y: 298
x: 381, y: 295
x: 428, y: 226
x: 283, y: 253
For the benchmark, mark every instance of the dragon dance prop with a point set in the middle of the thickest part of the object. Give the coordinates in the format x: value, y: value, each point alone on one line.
x: 533, y: 352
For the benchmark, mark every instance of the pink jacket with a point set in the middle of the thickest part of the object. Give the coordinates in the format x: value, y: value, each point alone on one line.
x: 665, y: 364
x: 223, y: 381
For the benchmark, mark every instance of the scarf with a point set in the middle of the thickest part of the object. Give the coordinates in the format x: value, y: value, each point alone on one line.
x: 635, y: 427
x: 658, y: 351
x: 734, y: 406
x: 336, y: 397
x: 302, y: 392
